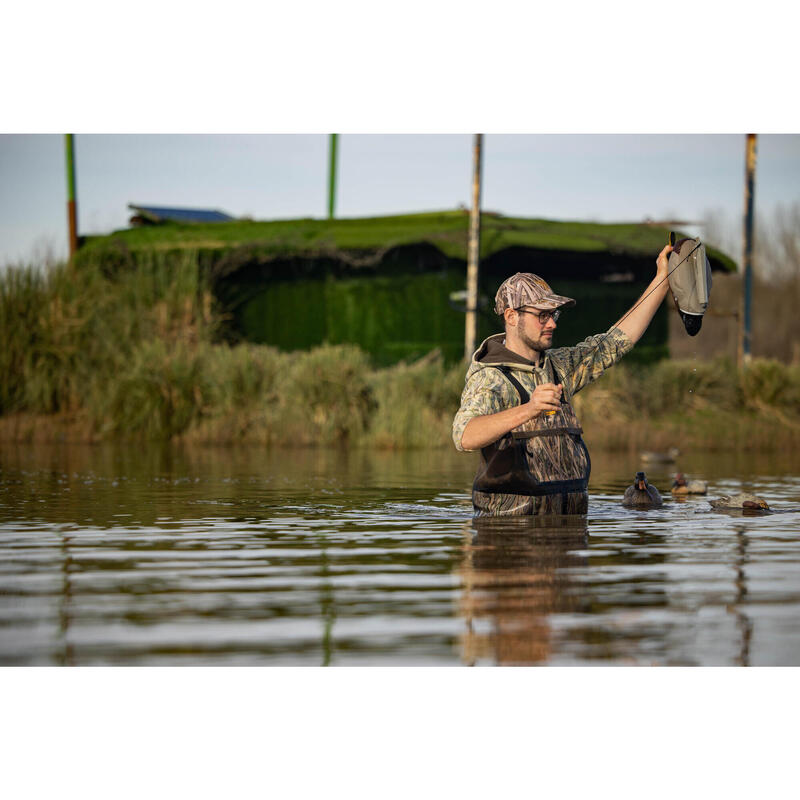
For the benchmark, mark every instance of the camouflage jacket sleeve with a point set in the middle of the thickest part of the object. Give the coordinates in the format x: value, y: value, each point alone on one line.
x: 485, y: 392
x: 587, y: 361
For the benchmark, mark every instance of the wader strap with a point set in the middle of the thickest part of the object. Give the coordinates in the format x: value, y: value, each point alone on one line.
x: 547, y: 432
x: 521, y: 390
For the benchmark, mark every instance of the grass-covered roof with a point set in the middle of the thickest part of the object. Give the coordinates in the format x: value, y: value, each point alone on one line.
x: 367, y: 239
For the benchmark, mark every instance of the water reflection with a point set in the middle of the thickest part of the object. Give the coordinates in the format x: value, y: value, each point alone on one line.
x: 743, y: 622
x: 515, y: 573
x: 117, y: 484
x: 120, y: 554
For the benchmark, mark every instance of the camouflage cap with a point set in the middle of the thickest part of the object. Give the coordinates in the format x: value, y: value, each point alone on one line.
x: 527, y: 289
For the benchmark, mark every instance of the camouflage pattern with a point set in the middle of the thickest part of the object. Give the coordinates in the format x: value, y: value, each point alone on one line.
x: 501, y: 505
x: 527, y: 289
x: 549, y: 457
x: 552, y: 445
x: 553, y: 451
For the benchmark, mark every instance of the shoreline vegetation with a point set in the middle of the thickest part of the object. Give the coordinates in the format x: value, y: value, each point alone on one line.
x: 88, y: 356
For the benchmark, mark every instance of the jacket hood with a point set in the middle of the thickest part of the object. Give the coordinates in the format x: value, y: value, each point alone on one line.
x: 492, y: 352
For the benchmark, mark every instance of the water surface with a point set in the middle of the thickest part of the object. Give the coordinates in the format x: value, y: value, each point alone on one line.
x: 149, y: 555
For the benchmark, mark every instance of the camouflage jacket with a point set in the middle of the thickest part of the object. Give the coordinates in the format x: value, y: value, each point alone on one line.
x: 487, y: 391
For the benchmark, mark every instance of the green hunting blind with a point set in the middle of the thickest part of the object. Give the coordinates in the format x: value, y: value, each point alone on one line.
x: 394, y: 285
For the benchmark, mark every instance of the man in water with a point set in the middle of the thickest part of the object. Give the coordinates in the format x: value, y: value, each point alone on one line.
x: 516, y: 407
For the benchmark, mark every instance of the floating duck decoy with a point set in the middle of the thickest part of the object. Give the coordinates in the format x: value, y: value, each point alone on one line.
x: 641, y: 494
x: 662, y: 458
x: 681, y: 486
x: 740, y: 502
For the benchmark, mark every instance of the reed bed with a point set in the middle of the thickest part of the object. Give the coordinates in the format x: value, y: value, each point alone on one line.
x: 695, y: 404
x: 138, y: 355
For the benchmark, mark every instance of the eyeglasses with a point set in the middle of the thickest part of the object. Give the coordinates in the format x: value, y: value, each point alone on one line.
x: 542, y: 316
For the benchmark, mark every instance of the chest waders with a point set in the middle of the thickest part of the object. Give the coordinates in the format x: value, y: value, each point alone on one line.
x: 540, y: 467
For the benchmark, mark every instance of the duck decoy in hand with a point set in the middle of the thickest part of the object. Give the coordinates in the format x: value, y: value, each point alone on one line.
x: 660, y: 458
x: 740, y: 502
x: 641, y: 494
x: 682, y: 486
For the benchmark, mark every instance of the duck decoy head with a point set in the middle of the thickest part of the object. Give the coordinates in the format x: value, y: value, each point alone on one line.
x: 692, y: 322
x: 757, y: 503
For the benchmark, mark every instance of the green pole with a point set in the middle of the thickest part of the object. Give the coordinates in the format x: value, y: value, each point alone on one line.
x: 332, y: 175
x: 72, y: 212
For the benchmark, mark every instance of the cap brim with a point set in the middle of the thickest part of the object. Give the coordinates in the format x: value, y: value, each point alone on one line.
x: 554, y: 301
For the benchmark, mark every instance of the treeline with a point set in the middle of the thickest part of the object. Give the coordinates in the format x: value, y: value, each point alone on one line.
x: 139, y: 355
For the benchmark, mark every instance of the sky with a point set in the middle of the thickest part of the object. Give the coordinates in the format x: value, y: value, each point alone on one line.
x: 602, y: 177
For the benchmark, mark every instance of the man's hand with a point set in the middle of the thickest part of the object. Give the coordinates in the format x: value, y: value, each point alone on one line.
x: 662, y: 262
x: 545, y: 397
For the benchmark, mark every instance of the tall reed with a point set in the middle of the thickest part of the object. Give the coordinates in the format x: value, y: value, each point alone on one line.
x: 66, y: 335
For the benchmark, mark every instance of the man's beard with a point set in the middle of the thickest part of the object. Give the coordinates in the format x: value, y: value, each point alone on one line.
x: 536, y: 345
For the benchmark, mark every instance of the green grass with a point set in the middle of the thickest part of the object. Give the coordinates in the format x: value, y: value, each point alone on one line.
x: 366, y: 238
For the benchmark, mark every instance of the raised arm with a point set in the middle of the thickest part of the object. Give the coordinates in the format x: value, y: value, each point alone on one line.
x: 635, y: 322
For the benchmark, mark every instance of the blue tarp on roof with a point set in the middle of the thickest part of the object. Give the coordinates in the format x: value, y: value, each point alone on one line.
x: 162, y: 214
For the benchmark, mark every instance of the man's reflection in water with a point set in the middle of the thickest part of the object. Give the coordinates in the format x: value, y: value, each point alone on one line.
x: 513, y: 575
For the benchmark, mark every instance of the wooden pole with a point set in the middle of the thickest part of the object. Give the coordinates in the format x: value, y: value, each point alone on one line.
x: 746, y: 336
x: 473, y: 250
x: 72, y: 211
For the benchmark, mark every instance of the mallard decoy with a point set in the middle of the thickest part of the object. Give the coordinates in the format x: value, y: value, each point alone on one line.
x: 662, y: 458
x: 681, y: 486
x: 740, y: 502
x: 641, y: 494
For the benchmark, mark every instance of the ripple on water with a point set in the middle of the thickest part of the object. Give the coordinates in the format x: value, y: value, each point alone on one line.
x: 256, y: 559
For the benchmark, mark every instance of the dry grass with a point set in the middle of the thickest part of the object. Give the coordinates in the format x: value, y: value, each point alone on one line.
x: 706, y: 403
